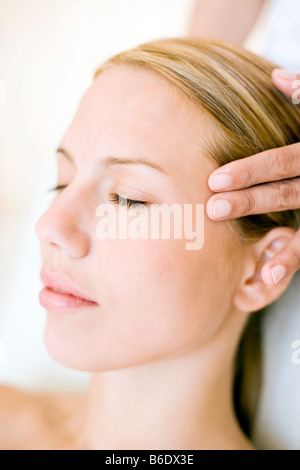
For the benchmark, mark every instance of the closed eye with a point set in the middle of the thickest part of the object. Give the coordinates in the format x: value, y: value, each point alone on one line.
x: 57, y: 188
x: 123, y: 201
x: 115, y: 198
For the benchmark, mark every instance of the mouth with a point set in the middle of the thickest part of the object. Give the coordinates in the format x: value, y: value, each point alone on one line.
x: 58, y: 291
x: 61, y: 294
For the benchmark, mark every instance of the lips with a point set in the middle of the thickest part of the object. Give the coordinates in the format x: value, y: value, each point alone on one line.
x: 57, y: 282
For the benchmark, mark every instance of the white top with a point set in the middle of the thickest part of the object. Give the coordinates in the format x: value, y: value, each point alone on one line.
x: 282, y: 34
x: 277, y: 424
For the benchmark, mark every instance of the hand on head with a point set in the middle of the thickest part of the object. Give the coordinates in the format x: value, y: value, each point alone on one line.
x: 280, y: 170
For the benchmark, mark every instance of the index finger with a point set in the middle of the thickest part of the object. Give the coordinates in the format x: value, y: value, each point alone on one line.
x: 286, y: 82
x: 270, y: 165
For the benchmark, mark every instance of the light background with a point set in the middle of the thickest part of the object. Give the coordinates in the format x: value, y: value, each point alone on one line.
x: 48, y: 53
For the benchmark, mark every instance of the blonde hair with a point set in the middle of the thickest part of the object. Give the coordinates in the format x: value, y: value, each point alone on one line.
x: 233, y: 87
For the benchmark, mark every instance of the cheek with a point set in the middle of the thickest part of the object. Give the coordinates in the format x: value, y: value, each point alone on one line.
x: 160, y: 288
x: 156, y: 298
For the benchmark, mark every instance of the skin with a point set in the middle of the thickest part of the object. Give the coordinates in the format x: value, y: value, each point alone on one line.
x: 161, y: 342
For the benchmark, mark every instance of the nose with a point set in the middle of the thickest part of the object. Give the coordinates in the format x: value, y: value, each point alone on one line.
x: 62, y: 227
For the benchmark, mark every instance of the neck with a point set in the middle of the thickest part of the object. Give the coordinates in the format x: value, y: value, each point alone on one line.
x: 182, y: 401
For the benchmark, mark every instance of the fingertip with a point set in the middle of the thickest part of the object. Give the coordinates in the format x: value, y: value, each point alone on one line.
x: 209, y: 208
x: 284, y: 75
x: 219, y: 181
x: 274, y: 73
x: 266, y: 276
x: 274, y: 274
x: 285, y: 81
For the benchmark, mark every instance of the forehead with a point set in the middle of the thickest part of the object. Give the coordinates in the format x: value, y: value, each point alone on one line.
x: 137, y: 89
x: 137, y: 111
x: 138, y: 98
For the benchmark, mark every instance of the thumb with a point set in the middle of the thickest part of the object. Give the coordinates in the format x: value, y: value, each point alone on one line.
x: 288, y: 83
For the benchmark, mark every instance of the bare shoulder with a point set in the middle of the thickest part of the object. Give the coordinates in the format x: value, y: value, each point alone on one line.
x: 35, y: 420
x: 13, y: 400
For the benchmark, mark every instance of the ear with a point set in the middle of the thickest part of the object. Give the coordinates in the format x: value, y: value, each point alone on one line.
x: 252, y: 293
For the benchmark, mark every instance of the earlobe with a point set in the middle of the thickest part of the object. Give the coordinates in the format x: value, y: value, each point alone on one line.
x: 252, y: 293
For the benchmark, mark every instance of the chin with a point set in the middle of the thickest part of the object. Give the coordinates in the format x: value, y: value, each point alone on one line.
x: 70, y: 352
x: 64, y: 353
x: 79, y: 345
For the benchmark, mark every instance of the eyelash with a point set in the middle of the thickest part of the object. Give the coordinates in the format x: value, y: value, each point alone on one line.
x: 115, y: 198
x: 128, y: 202
x: 56, y: 188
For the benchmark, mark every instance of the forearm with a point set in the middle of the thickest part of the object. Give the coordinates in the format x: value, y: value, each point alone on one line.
x: 229, y: 20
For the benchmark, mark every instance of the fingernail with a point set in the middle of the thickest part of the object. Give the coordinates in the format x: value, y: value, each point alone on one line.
x: 278, y: 272
x: 285, y: 75
x: 220, y: 181
x: 221, y: 208
x: 277, y: 245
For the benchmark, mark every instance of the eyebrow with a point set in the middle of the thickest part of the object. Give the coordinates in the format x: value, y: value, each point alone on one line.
x: 119, y: 161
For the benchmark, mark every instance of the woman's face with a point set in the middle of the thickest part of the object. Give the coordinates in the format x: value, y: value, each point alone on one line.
x: 155, y: 298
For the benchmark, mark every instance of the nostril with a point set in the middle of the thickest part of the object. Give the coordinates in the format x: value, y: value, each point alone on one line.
x: 61, y: 228
x: 52, y: 233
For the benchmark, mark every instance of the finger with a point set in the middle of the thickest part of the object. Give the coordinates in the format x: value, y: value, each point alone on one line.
x: 271, y: 197
x: 286, y: 82
x: 285, y: 263
x: 270, y: 165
